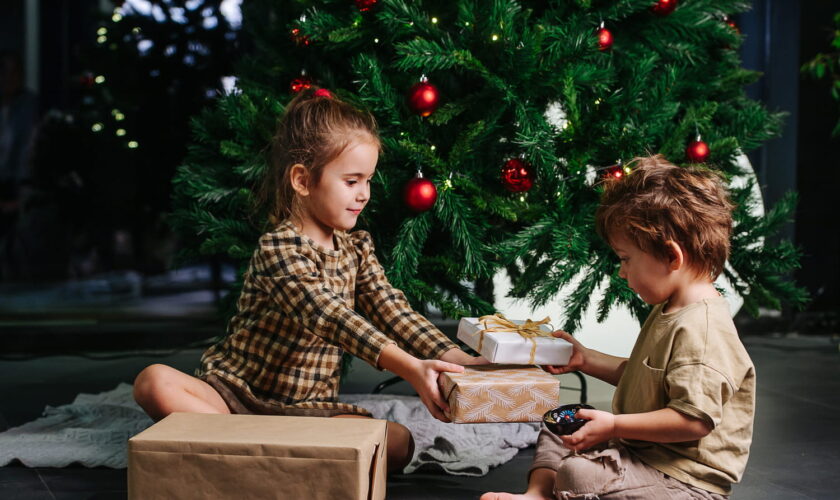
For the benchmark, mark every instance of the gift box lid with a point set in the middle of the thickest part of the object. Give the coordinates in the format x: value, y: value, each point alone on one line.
x: 263, y: 435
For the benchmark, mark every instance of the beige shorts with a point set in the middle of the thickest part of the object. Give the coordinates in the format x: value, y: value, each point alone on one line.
x: 609, y: 473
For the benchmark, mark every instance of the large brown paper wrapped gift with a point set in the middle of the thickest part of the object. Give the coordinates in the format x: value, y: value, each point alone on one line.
x: 192, y: 456
x: 499, y: 393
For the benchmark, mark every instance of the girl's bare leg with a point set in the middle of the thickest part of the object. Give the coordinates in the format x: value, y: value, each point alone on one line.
x: 400, y: 445
x: 540, y: 487
x: 161, y: 390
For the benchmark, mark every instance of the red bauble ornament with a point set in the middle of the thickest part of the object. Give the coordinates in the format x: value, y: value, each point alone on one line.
x: 664, y: 7
x: 697, y: 151
x: 420, y: 194
x: 605, y: 38
x: 616, y: 171
x: 517, y: 175
x: 365, y: 5
x: 302, y: 82
x: 731, y: 23
x: 423, y: 97
x: 299, y: 37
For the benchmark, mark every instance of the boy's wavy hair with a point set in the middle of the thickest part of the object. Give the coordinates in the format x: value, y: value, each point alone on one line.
x: 316, y: 127
x: 658, y: 201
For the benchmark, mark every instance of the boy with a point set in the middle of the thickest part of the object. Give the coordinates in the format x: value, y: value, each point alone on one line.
x: 683, y: 408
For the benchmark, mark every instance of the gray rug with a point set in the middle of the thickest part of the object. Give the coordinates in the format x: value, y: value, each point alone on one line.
x: 93, y: 431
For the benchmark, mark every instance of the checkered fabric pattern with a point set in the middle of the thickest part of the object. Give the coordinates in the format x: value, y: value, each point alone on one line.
x: 296, y: 315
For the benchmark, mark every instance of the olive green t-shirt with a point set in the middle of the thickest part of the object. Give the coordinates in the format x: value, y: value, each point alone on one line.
x: 692, y: 360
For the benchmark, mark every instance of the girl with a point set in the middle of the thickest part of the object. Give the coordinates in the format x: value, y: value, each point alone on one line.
x: 295, y: 314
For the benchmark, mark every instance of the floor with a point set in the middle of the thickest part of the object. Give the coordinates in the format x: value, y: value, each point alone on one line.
x: 795, y: 453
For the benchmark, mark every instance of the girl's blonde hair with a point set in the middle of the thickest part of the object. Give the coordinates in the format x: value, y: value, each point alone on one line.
x: 315, y: 129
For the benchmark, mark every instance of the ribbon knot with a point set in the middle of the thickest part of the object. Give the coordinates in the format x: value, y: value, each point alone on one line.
x: 528, y: 330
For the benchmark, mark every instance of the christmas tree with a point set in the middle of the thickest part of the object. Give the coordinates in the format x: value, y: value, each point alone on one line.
x: 513, y: 110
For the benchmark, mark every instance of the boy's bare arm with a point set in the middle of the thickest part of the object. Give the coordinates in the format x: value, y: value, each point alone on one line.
x: 661, y: 426
x: 595, y: 363
x: 605, y: 367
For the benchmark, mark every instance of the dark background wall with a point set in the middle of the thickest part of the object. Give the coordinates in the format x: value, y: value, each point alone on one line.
x: 11, y: 25
x: 818, y: 165
x: 780, y: 36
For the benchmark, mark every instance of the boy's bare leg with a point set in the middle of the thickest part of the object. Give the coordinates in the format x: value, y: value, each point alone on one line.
x: 400, y: 445
x: 161, y: 390
x: 540, y: 487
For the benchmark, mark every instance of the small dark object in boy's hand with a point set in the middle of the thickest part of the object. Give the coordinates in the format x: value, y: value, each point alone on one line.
x: 562, y: 420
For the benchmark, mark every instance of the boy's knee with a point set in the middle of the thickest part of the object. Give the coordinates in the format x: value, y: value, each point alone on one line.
x: 582, y: 475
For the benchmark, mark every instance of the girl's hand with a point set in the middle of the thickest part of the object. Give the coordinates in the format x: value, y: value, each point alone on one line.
x: 459, y: 357
x: 423, y: 376
x: 576, y: 362
x: 600, y: 428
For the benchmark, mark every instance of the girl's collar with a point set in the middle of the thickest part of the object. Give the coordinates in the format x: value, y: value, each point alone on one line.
x: 338, y: 237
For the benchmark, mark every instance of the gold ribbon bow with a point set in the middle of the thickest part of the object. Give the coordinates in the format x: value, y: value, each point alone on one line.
x: 528, y: 330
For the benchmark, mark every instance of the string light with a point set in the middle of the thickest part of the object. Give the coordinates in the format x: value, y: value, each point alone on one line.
x: 99, y: 79
x: 101, y: 39
x: 97, y: 127
x: 434, y: 20
x: 120, y: 132
x: 102, y: 31
x: 494, y: 37
x: 133, y: 144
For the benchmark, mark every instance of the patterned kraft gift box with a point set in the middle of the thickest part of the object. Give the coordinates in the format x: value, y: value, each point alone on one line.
x: 499, y: 393
x: 192, y: 456
x: 501, y: 340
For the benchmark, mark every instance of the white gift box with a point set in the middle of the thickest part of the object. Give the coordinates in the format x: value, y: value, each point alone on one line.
x: 513, y: 348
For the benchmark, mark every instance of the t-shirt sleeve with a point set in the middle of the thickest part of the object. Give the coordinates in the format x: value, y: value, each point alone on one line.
x: 699, y: 391
x: 295, y: 284
x: 388, y: 308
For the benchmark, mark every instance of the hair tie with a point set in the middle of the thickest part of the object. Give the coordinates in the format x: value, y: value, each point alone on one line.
x: 323, y: 93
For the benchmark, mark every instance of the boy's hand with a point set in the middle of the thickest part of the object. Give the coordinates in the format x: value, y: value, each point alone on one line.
x: 576, y: 362
x: 458, y: 356
x: 600, y: 428
x: 423, y: 376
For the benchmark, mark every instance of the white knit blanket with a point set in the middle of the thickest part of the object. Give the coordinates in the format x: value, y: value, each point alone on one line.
x: 460, y: 449
x: 94, y: 428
